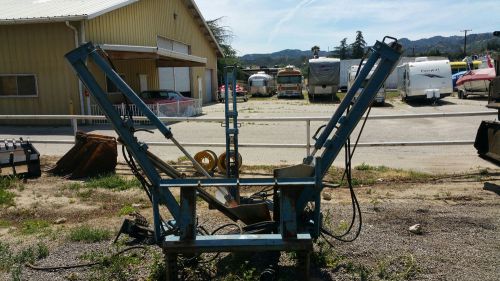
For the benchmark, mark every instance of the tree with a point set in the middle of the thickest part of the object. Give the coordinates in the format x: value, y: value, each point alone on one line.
x: 223, y: 35
x: 315, y: 51
x: 358, y: 47
x: 342, y: 51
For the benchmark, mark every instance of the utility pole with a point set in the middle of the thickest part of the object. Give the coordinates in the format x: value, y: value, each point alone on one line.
x: 465, y: 40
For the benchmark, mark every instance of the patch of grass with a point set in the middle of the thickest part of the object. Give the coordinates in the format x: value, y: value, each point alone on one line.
x: 120, y: 267
x: 5, y: 257
x: 127, y: 209
x: 11, y: 182
x: 244, y: 273
x: 182, y: 159
x: 392, y: 95
x: 399, y: 268
x: 366, y: 174
x: 157, y: 269
x: 359, y: 271
x: 43, y: 250
x: 5, y: 223
x: 112, y: 181
x: 34, y: 226
x: 324, y: 256
x: 6, y: 198
x: 366, y: 167
x: 86, y: 233
x: 73, y: 186
x: 85, y: 194
x: 14, y: 262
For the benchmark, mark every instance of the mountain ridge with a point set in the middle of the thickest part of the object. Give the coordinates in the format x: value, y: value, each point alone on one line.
x: 435, y: 45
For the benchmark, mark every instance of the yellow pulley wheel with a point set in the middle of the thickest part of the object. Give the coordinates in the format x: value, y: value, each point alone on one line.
x: 221, y: 163
x: 206, y: 159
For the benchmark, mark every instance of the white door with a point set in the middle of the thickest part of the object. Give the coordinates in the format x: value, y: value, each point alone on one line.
x: 208, y: 85
x: 166, y: 75
x: 143, y: 82
x: 174, y: 78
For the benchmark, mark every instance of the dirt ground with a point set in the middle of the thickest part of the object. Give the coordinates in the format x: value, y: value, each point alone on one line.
x: 459, y: 215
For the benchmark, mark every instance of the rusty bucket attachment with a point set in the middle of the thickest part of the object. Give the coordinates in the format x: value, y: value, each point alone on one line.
x: 91, y: 155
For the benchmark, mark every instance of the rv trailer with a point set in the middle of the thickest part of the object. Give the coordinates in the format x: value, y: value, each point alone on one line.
x: 380, y: 97
x: 324, y: 77
x: 424, y: 79
x: 261, y: 84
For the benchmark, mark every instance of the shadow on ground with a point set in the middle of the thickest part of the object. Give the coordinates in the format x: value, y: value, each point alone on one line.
x: 426, y: 102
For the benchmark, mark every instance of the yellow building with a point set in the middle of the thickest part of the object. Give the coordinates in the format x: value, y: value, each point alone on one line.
x: 152, y: 43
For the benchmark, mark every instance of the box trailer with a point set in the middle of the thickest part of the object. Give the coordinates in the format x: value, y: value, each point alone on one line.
x: 424, y: 79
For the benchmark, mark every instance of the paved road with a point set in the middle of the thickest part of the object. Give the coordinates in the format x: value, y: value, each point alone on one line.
x: 455, y: 158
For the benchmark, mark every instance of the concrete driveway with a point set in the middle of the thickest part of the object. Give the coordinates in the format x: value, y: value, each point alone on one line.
x: 455, y: 158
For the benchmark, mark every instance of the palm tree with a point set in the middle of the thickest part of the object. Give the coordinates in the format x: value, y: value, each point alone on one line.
x: 315, y: 51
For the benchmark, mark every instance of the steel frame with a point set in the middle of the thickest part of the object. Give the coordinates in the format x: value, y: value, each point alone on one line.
x: 296, y: 186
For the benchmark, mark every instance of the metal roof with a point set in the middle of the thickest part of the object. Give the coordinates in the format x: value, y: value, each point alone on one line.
x: 34, y: 11
x: 38, y: 11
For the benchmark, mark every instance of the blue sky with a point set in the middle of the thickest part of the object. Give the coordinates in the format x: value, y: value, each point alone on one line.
x: 263, y: 26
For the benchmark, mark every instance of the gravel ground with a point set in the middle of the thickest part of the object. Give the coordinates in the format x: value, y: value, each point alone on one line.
x: 460, y: 217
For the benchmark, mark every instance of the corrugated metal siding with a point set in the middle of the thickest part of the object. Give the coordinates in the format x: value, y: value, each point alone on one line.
x: 141, y: 22
x: 39, y: 49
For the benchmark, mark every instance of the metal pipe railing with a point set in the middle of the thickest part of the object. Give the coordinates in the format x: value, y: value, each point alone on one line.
x: 307, y: 145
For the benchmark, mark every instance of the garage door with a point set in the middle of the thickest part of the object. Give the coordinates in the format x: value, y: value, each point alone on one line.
x: 177, y: 78
x: 208, y: 85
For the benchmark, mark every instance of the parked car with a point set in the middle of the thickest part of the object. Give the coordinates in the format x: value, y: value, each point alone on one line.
x: 241, y: 92
x: 162, y: 96
x: 169, y: 103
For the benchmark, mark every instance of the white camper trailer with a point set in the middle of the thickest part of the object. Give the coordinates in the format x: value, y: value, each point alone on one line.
x: 324, y: 76
x: 424, y: 79
x: 261, y: 84
x: 345, y: 67
x: 380, y: 97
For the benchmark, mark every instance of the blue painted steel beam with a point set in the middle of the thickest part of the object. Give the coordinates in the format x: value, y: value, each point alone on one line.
x: 238, y: 243
x: 123, y: 128
x: 389, y: 57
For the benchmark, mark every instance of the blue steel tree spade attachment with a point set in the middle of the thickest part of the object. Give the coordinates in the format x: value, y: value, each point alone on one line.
x: 293, y: 226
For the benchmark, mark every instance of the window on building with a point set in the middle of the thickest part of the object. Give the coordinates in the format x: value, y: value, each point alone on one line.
x: 111, y: 87
x: 18, y: 85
